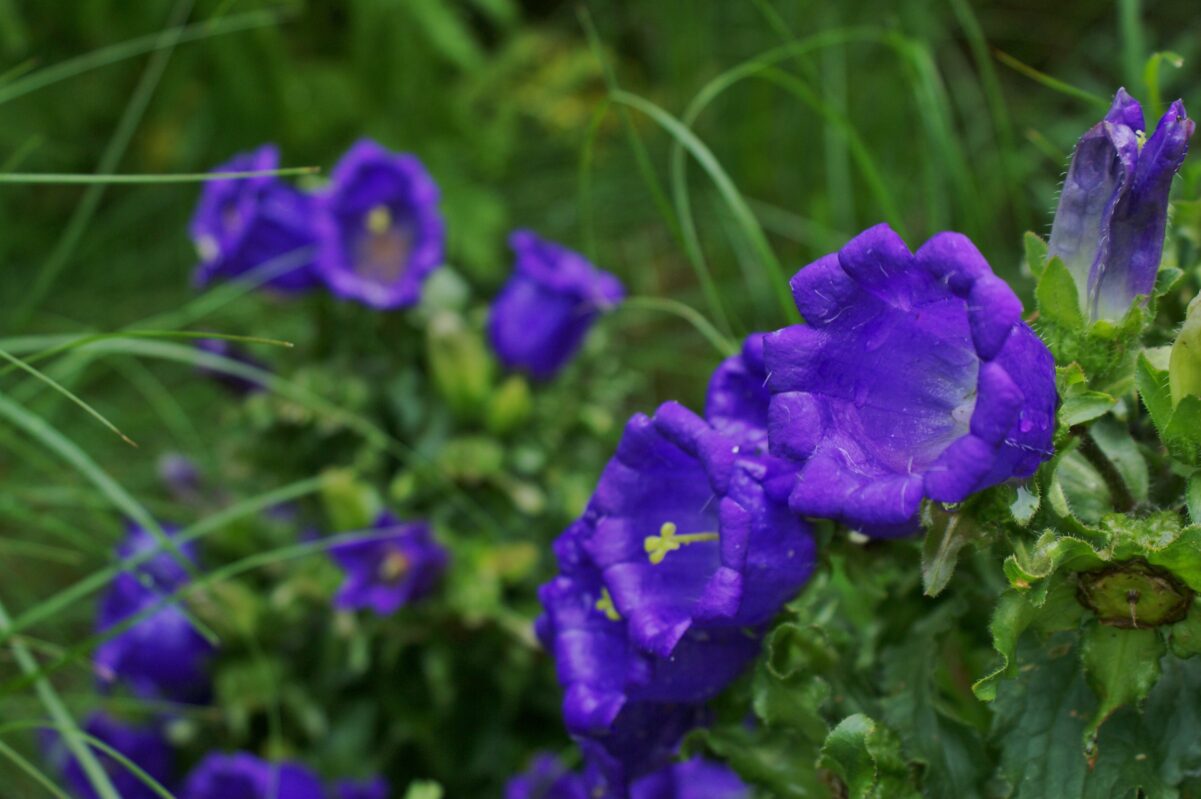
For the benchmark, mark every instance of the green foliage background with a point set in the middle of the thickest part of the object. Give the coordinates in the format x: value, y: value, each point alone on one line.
x: 831, y: 117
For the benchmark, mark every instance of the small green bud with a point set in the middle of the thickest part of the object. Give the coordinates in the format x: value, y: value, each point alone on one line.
x: 349, y: 503
x: 459, y: 363
x: 444, y: 290
x: 510, y: 406
x: 403, y: 487
x: 1184, y: 365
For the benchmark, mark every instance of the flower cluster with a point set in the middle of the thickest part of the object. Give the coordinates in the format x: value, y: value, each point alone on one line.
x: 547, y: 778
x: 373, y: 235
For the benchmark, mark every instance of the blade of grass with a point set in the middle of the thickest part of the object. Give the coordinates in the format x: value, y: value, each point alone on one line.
x: 131, y: 117
x: 587, y: 222
x: 33, y: 771
x: 721, y: 343
x: 96, y: 581
x: 133, y: 48
x: 1054, y: 84
x: 1130, y: 33
x: 68, y: 178
x: 54, y: 384
x: 73, y: 737
x: 66, y: 449
x: 733, y: 198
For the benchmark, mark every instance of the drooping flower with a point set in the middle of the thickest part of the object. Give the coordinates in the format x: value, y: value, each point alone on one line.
x: 241, y: 775
x: 243, y: 223
x: 380, y: 229
x: 144, y: 746
x: 387, y: 572
x: 540, y: 317
x: 737, y: 400
x: 374, y: 788
x: 1110, y: 224
x: 161, y: 655
x: 914, y: 377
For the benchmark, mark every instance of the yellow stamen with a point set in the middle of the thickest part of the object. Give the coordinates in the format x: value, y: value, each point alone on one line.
x: 668, y: 540
x: 379, y: 219
x: 606, y: 606
x: 1141, y: 137
x: 393, y: 566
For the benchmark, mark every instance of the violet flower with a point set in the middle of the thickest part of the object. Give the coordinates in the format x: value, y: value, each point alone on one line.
x: 737, y: 399
x: 914, y: 377
x: 161, y: 655
x: 144, y: 746
x: 541, y: 315
x: 691, y: 779
x: 242, y: 223
x: 692, y: 530
x: 380, y: 229
x: 1110, y: 224
x: 241, y: 775
x: 387, y: 572
x: 546, y: 778
x: 374, y: 788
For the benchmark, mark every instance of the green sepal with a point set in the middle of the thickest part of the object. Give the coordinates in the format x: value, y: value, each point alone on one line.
x: 1079, y: 403
x: 1058, y: 298
x: 866, y: 756
x: 1035, y: 248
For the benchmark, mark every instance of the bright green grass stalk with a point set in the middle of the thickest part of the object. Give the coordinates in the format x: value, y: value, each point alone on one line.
x: 73, y: 737
x: 131, y: 117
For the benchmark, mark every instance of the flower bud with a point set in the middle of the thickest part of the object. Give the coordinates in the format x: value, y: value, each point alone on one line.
x: 459, y: 364
x: 1184, y: 365
x: 349, y: 503
x: 1113, y: 210
x: 510, y: 405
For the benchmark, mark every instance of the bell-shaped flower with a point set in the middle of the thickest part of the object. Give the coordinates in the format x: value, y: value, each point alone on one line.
x: 385, y: 572
x: 145, y: 747
x: 1113, y: 211
x: 241, y: 775
x: 541, y: 315
x: 244, y: 223
x: 380, y: 230
x: 913, y: 378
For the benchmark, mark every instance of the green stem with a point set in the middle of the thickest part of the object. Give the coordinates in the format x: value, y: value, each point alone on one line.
x: 1119, y: 492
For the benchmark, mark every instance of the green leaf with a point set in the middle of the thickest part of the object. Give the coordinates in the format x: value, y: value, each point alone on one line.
x: 1036, y: 253
x: 946, y: 534
x: 1057, y: 296
x: 1040, y: 723
x: 424, y: 789
x: 1025, y: 503
x: 1183, y: 433
x: 782, y: 764
x: 1192, y: 497
x: 1079, y: 403
x: 1152, y: 383
x: 1122, y: 667
x: 1186, y: 634
x: 866, y: 756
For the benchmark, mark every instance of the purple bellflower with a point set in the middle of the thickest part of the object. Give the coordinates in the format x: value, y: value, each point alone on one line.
x: 540, y: 317
x: 380, y: 229
x: 914, y: 377
x: 738, y: 399
x: 374, y: 788
x: 241, y: 775
x: 145, y: 747
x: 1113, y: 210
x: 546, y: 778
x: 161, y: 655
x: 387, y: 572
x: 242, y: 223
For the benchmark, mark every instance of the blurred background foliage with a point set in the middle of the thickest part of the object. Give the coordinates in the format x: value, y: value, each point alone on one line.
x: 862, y: 111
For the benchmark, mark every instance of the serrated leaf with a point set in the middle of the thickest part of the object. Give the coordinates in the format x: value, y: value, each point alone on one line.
x: 1152, y: 383
x: 1183, y: 433
x: 1039, y: 727
x: 1057, y: 296
x: 1186, y: 634
x: 1036, y: 252
x: 866, y: 756
x: 1079, y: 403
x: 786, y: 691
x: 1122, y: 667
